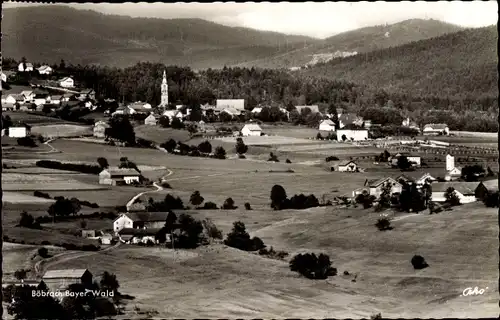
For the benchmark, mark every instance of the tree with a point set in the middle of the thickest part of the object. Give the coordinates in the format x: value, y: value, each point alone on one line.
x: 451, y: 197
x: 344, y: 138
x: 383, y: 224
x: 164, y: 121
x: 26, y: 220
x: 20, y: 274
x: 103, y: 162
x: 418, y: 262
x: 121, y: 129
x: 248, y: 206
x: 278, y: 197
x: 220, y: 153
x: 229, y: 204
x: 225, y: 117
x: 109, y: 282
x: 385, y: 197
x: 176, y: 123
x: 24, y: 304
x: 239, y: 238
x: 169, y: 145
x: 191, y: 232
x: 64, y: 207
x: 365, y: 199
x: 313, y: 267
x: 492, y: 200
x: 472, y: 173
x: 403, y: 163
x: 205, y: 147
x: 241, y: 147
x: 196, y: 199
x: 192, y: 128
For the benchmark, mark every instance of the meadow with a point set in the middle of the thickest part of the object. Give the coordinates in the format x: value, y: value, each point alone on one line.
x: 62, y: 130
x: 33, y: 119
x: 31, y: 182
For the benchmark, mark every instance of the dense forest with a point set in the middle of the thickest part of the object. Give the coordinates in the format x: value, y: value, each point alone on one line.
x: 279, y: 87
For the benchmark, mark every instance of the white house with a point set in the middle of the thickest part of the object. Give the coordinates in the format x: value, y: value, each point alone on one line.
x: 414, y: 160
x: 347, y: 166
x: 139, y: 220
x: 13, y: 99
x: 352, y: 135
x: 100, y: 129
x: 349, y: 118
x: 375, y: 187
x: 4, y: 77
x: 56, y: 99
x: 171, y: 114
x: 238, y: 104
x: 67, y: 82
x: 251, y: 129
x: 327, y: 125
x: 17, y: 132
x: 25, y: 67
x: 136, y: 236
x: 45, y: 69
x: 150, y: 120
x: 40, y: 98
x: 416, y: 177
x: 466, y: 191
x: 28, y: 95
x: 256, y: 110
x: 117, y: 177
x: 436, y: 129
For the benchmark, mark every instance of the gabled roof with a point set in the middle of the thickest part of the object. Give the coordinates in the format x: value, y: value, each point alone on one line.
x: 231, y: 111
x: 150, y: 117
x: 465, y: 188
x: 44, y: 67
x: 377, y: 182
x: 171, y: 113
x: 27, y: 92
x: 252, y: 127
x: 29, y: 64
x: 436, y: 126
x: 139, y: 232
x: 327, y: 122
x: 17, y: 96
x: 102, y: 124
x: 414, y: 176
x: 491, y: 185
x: 64, y: 273
x: 86, y: 91
x: 345, y: 163
x: 56, y: 97
x: 147, y: 216
x: 65, y: 78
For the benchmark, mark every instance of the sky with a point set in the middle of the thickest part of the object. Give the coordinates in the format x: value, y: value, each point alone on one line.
x: 315, y: 19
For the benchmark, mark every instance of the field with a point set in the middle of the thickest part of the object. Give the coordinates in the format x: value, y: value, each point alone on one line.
x: 32, y: 119
x: 268, y: 140
x: 30, y: 182
x: 160, y: 135
x: 15, y: 197
x: 61, y: 130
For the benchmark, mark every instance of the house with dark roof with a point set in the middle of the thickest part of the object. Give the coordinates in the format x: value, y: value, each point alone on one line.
x: 466, y: 191
x: 135, y: 236
x: 486, y: 187
x: 344, y: 166
x: 140, y: 220
x: 60, y: 280
x: 418, y: 178
x: 119, y: 176
x: 436, y: 129
x: 376, y: 186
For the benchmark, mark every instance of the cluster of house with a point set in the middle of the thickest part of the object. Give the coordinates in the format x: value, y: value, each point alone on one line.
x: 140, y: 227
x: 467, y: 192
x: 37, y: 99
x: 114, y: 177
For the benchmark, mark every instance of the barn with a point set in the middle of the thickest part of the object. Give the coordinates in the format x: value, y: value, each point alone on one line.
x: 466, y: 191
x: 59, y: 280
x: 251, y: 130
x: 327, y: 125
x: 352, y: 135
x: 119, y: 176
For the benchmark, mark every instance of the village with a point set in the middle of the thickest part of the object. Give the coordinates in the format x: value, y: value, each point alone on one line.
x: 360, y: 169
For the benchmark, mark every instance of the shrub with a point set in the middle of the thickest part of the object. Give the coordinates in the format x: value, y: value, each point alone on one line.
x: 418, y: 262
x: 331, y: 158
x: 209, y: 206
x: 247, y: 206
x: 313, y: 267
x: 220, y: 153
x: 205, y: 147
x: 376, y: 316
x: 165, y: 185
x: 383, y: 224
x: 278, y: 197
x: 45, y: 243
x: 273, y: 157
x: 229, y: 204
x: 288, y: 161
x: 26, y: 142
x: 212, y: 230
x: 196, y: 199
x: 271, y: 253
x: 41, y: 194
x: 319, y: 136
x: 43, y: 252
x: 238, y: 238
x: 241, y: 156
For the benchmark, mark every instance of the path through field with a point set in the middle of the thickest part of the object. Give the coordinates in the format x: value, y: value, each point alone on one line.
x: 158, y: 188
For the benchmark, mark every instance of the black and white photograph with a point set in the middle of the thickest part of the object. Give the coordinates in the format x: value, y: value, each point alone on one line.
x: 249, y: 160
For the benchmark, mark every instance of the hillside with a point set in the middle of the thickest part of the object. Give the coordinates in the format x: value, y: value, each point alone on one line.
x: 362, y: 40
x: 460, y: 64
x: 52, y: 33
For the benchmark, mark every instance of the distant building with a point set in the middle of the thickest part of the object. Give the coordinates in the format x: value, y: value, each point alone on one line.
x: 106, y: 239
x: 171, y: 114
x: 314, y: 108
x: 41, y: 97
x: 60, y: 280
x: 86, y: 94
x: 486, y: 187
x: 28, y: 95
x: 232, y: 112
x: 88, y: 233
x: 327, y: 125
x: 452, y: 172
x: 17, y: 132
x: 416, y: 177
x: 135, y: 236
x: 140, y: 107
x: 118, y: 177
x: 410, y: 124
x: 238, y: 104
x: 376, y: 186
x: 56, y: 99
x: 346, y: 119
x: 466, y: 191
x: 100, y: 129
x: 67, y: 82
x: 140, y: 220
x: 251, y: 129
x: 150, y: 120
x: 14, y: 98
x: 436, y: 129
x: 25, y: 67
x: 415, y: 161
x: 346, y: 166
x: 45, y: 70
x: 352, y: 135
x: 67, y: 96
x: 164, y: 91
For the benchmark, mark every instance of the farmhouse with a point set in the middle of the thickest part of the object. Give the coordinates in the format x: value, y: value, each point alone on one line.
x: 232, y: 112
x: 150, y: 120
x: 486, y: 187
x: 56, y: 99
x: 314, y: 108
x: 140, y: 107
x: 171, y: 114
x: 25, y: 67
x: 352, y: 135
x: 14, y: 98
x: 88, y: 233
x: 67, y: 96
x: 123, y: 110
x: 41, y: 97
x: 45, y: 69
x: 436, y: 129
x: 86, y: 94
x: 28, y: 95
x: 346, y: 119
x: 134, y: 236
x: 106, y: 239
x: 345, y: 166
x: 60, y: 280
x: 466, y: 191
x: 410, y: 124
x: 414, y: 160
x: 67, y: 82
x: 415, y: 177
x: 118, y: 177
x: 140, y: 220
x: 377, y: 185
x: 238, y: 104
x: 17, y: 132
x: 251, y: 129
x: 327, y: 125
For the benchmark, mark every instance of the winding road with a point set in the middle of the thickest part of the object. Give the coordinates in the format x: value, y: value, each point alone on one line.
x: 158, y: 188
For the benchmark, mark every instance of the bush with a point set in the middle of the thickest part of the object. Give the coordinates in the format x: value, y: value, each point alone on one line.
x: 43, y: 252
x: 220, y: 153
x: 418, y: 262
x: 273, y: 254
x: 45, y: 243
x: 26, y: 142
x: 209, y: 206
x: 165, y: 185
x: 313, y: 267
x: 229, y: 204
x: 331, y: 158
x: 83, y: 168
x: 41, y: 194
x: 273, y: 158
x: 241, y: 156
x: 247, y: 206
x: 383, y: 224
x: 238, y: 238
x: 288, y: 161
x: 211, y: 229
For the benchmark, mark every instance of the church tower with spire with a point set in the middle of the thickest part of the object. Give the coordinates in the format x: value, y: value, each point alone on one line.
x: 164, y: 91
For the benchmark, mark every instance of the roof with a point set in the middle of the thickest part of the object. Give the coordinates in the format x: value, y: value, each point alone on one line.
x: 233, y: 103
x: 377, y: 182
x: 232, y: 110
x: 139, y: 232
x: 413, y: 175
x: 64, y: 273
x: 68, y: 95
x: 465, y: 188
x: 65, y: 78
x: 345, y: 163
x: 171, y: 113
x: 56, y: 97
x: 328, y: 122
x: 17, y: 96
x: 44, y: 67
x: 26, y: 92
x: 491, y: 185
x: 86, y: 91
x: 256, y: 110
x: 123, y: 172
x: 314, y: 108
x: 151, y: 117
x: 436, y: 126
x: 29, y: 64
x: 139, y: 106
x: 252, y: 127
x: 147, y: 216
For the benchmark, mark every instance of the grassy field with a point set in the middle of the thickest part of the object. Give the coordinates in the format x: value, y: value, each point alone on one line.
x: 62, y: 130
x: 31, y: 182
x: 233, y: 283
x: 269, y: 140
x: 32, y: 119
x: 160, y: 135
x: 16, y: 197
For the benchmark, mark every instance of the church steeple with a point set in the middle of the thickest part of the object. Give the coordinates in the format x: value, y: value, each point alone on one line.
x: 164, y: 91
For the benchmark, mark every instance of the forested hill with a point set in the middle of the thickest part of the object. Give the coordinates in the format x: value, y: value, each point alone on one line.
x: 362, y: 40
x: 461, y: 64
x: 50, y: 33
